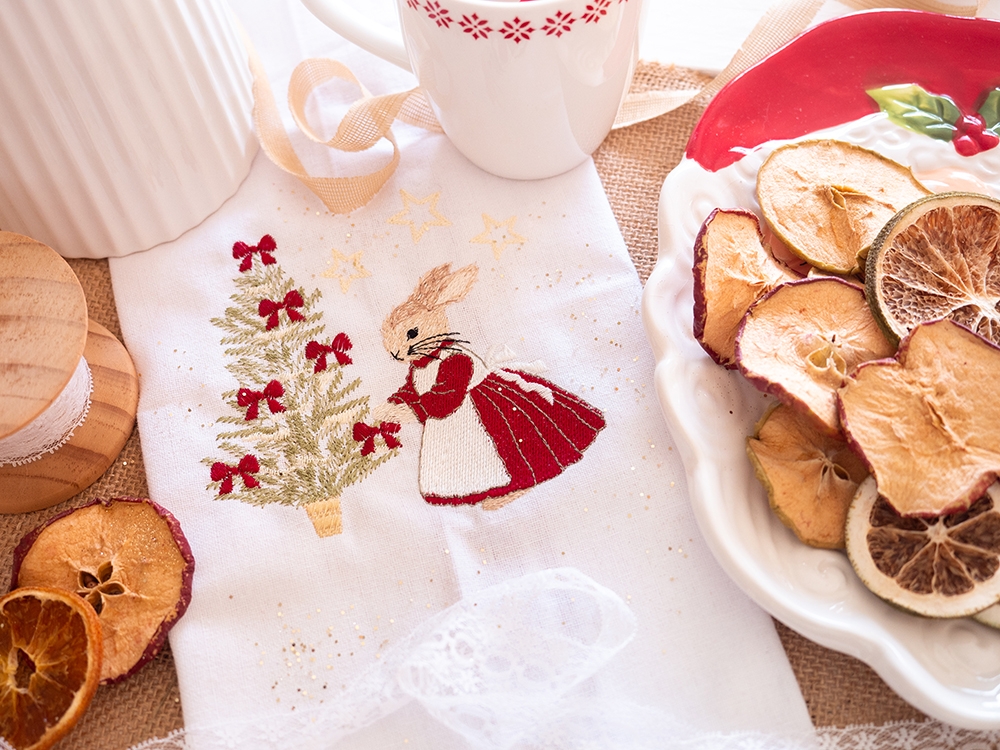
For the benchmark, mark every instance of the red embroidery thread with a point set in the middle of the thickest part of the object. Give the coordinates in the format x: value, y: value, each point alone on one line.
x: 265, y: 247
x: 269, y: 308
x: 271, y: 393
x: 366, y: 434
x: 245, y: 469
x: 339, y: 347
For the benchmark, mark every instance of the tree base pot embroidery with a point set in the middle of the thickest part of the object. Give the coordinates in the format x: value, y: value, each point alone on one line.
x: 289, y: 438
x: 490, y: 433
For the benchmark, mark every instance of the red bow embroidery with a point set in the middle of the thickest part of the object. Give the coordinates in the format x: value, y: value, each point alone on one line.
x: 339, y: 347
x: 245, y: 251
x: 366, y: 434
x: 269, y: 308
x: 246, y: 468
x: 272, y: 391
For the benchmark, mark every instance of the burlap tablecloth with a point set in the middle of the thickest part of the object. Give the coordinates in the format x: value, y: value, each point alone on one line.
x: 632, y: 164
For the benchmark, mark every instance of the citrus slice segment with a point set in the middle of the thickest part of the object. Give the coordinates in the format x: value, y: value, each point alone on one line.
x: 50, y: 649
x: 939, y: 257
x: 827, y: 200
x: 927, y: 423
x: 800, y: 340
x: 732, y: 269
x: 945, y: 566
x: 129, y: 559
x: 810, y: 477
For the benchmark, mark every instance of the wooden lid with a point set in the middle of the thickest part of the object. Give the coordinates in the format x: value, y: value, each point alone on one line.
x: 43, y: 328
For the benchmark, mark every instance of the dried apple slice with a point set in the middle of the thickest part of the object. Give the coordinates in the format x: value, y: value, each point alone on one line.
x: 129, y: 559
x: 940, y: 566
x: 732, y: 269
x: 989, y: 616
x: 927, y: 423
x: 800, y: 340
x: 828, y: 199
x: 938, y: 258
x: 810, y: 477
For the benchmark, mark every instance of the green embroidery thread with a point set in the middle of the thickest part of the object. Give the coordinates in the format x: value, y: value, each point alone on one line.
x: 298, y: 449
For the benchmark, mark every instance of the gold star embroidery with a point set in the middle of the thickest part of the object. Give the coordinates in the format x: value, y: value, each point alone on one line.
x: 346, y: 268
x: 419, y: 220
x: 498, y: 234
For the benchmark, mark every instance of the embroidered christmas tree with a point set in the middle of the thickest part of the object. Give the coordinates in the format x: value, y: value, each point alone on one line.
x: 296, y: 434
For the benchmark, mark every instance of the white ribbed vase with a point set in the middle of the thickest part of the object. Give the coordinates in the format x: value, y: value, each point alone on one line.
x: 123, y: 123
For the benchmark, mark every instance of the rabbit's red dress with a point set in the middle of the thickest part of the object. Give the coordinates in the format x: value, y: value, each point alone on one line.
x: 490, y: 432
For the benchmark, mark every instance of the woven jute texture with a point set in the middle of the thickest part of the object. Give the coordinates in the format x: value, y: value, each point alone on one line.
x: 632, y: 164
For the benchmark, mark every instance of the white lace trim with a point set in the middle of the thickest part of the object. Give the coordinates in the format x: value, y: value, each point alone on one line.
x: 507, y: 669
x: 591, y: 732
x: 51, y: 429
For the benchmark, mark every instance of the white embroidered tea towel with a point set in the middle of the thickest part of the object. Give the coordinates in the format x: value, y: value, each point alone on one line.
x: 363, y: 421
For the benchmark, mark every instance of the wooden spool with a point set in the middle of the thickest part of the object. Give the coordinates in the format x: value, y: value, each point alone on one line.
x: 44, y: 330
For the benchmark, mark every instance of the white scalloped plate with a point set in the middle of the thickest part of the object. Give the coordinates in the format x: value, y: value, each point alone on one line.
x: 950, y: 669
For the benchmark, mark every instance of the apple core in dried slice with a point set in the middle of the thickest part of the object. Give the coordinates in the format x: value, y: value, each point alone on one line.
x: 810, y: 477
x: 732, y: 269
x: 828, y: 199
x: 50, y: 649
x: 938, y: 258
x: 942, y: 566
x: 800, y: 341
x: 129, y: 559
x: 927, y: 423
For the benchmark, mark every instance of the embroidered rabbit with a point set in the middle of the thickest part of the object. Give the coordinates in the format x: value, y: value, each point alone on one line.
x: 490, y: 433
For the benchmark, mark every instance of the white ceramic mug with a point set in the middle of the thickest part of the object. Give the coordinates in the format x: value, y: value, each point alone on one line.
x: 525, y: 90
x: 122, y: 123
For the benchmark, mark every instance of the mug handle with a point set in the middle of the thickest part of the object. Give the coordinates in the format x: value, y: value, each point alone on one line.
x: 355, y: 27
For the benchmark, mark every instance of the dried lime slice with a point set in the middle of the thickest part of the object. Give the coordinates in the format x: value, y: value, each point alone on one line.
x: 943, y: 566
x: 810, y: 477
x: 939, y: 257
x: 732, y: 269
x: 129, y: 559
x: 927, y: 423
x: 800, y: 341
x: 828, y: 199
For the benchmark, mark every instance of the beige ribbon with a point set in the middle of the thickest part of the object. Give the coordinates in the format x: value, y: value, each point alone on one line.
x: 370, y: 118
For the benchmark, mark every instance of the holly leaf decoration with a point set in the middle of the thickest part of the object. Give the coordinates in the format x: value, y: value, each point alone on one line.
x: 990, y: 111
x: 910, y: 106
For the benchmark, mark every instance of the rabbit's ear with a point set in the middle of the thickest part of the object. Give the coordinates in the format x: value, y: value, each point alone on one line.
x: 440, y: 286
x: 458, y: 284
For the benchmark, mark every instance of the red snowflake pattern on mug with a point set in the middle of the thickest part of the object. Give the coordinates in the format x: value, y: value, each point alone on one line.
x: 558, y: 24
x: 438, y: 14
x: 596, y: 11
x: 478, y: 27
x: 517, y: 30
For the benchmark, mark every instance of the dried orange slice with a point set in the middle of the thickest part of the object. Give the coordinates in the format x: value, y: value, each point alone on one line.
x: 945, y: 566
x: 939, y: 257
x: 50, y: 649
x: 129, y: 559
x: 810, y: 477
